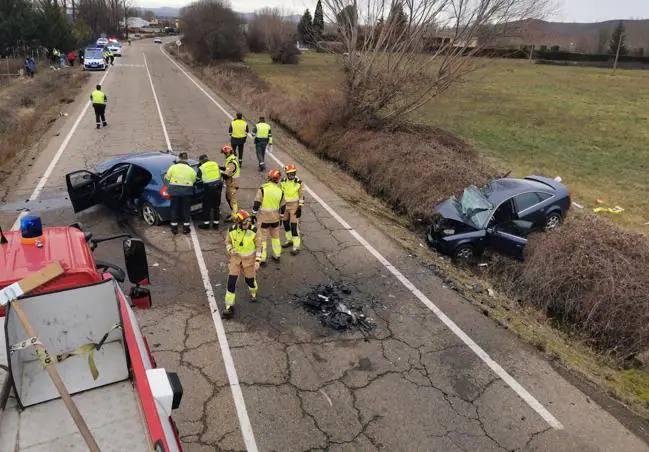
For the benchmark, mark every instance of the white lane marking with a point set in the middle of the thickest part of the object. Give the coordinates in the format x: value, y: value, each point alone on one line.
x: 228, y: 361
x: 493, y: 365
x: 157, y: 104
x: 48, y: 172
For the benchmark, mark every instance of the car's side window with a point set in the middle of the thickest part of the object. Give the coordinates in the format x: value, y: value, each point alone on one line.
x: 544, y: 196
x: 526, y: 200
x: 503, y: 215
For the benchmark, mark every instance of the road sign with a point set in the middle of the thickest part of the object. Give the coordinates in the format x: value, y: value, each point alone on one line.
x: 179, y: 43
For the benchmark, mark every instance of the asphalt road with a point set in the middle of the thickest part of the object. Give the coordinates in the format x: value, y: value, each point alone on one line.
x: 434, y: 374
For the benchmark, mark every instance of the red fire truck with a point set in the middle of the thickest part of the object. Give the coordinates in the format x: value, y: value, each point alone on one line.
x: 84, y: 320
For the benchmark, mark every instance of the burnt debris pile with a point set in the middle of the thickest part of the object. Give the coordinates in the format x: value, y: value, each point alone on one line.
x: 336, y: 307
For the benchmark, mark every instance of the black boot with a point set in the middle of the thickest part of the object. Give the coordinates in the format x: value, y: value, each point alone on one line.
x: 227, y: 312
x: 174, y: 230
x: 215, y: 224
x: 186, y: 230
x: 204, y: 225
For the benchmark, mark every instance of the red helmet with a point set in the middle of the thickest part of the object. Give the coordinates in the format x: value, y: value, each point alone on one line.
x: 290, y: 169
x: 274, y: 175
x: 242, y: 216
x: 227, y: 149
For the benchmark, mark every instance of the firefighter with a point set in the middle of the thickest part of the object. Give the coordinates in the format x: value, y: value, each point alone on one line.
x: 180, y: 178
x: 238, y: 135
x: 241, y: 246
x: 263, y: 138
x: 268, y: 208
x: 231, y: 172
x: 291, y: 185
x: 99, y: 101
x: 210, y: 173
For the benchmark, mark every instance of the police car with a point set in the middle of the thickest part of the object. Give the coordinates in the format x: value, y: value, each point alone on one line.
x: 93, y: 59
x: 115, y: 47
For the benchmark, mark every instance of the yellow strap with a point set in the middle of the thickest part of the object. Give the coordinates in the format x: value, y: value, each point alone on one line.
x: 85, y: 348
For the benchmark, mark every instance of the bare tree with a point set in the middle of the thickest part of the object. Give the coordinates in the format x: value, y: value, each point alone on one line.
x: 399, y: 54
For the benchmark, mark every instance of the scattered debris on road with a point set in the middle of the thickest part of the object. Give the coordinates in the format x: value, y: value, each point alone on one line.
x: 336, y: 308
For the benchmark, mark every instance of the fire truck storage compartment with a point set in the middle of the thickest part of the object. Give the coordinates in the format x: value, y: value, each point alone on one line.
x: 64, y: 321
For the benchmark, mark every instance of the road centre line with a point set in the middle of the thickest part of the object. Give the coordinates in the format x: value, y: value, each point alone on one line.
x: 50, y: 168
x: 239, y: 402
x: 450, y: 324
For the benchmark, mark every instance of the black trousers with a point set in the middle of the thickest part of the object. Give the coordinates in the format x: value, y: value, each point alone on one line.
x: 237, y: 145
x: 260, y: 149
x: 100, y: 113
x: 180, y: 210
x: 212, y: 202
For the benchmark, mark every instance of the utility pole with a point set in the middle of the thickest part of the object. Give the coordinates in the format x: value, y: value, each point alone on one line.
x: 617, y: 54
x: 125, y: 21
x: 532, y: 53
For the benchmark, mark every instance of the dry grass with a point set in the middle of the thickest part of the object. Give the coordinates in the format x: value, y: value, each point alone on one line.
x: 27, y: 106
x: 591, y: 277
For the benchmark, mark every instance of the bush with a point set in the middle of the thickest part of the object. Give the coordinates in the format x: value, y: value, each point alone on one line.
x: 285, y: 52
x: 592, y: 277
x: 212, y: 31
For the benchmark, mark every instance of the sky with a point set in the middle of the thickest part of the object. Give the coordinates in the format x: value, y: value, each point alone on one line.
x: 569, y: 10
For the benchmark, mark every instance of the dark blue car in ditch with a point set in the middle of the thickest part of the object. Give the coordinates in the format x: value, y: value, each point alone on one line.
x: 133, y: 183
x: 499, y: 216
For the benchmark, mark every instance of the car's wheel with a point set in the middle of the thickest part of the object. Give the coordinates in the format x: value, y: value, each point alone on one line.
x: 552, y: 222
x: 150, y: 215
x: 464, y: 252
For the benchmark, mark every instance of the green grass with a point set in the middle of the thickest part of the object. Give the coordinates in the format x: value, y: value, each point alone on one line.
x: 584, y: 124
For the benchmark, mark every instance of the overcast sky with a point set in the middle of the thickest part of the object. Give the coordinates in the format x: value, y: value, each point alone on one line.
x: 570, y: 10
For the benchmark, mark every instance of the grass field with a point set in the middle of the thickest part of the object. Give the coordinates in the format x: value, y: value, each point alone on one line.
x: 584, y: 124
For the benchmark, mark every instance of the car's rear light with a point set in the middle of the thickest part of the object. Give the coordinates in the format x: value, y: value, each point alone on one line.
x: 164, y: 193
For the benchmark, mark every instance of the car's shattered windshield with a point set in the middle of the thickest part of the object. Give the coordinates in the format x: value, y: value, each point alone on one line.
x: 475, y: 206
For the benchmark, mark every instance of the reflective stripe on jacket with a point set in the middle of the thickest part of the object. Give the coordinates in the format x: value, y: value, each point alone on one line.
x: 233, y: 159
x: 272, y: 196
x: 210, y: 172
x: 181, y: 174
x: 292, y: 189
x: 98, y: 97
x: 239, y: 129
x: 243, y: 241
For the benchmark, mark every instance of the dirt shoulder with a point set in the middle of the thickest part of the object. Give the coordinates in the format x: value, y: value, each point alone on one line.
x: 596, y: 375
x: 29, y: 107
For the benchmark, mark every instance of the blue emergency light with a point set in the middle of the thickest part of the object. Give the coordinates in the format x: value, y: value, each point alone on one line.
x: 31, y: 229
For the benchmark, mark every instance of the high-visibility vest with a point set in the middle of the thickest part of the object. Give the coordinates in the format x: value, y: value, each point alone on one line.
x: 263, y: 130
x: 291, y: 189
x: 272, y: 197
x: 98, y: 97
x: 210, y: 172
x: 239, y: 129
x: 233, y: 159
x: 243, y: 241
x: 108, y: 53
x: 181, y: 174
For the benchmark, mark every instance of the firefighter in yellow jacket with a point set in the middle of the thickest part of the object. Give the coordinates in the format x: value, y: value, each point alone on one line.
x: 268, y: 208
x: 231, y: 173
x: 241, y: 246
x: 291, y: 186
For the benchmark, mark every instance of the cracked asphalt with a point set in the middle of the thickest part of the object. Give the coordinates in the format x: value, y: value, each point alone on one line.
x: 410, y: 384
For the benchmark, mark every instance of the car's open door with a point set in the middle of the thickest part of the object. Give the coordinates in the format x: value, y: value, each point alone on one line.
x: 83, y: 189
x: 504, y: 241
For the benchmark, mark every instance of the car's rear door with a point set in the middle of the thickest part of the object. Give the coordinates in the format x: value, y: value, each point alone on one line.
x: 506, y: 242
x: 83, y: 189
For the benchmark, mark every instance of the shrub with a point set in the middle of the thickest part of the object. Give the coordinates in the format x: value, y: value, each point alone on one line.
x: 592, y: 277
x: 285, y: 52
